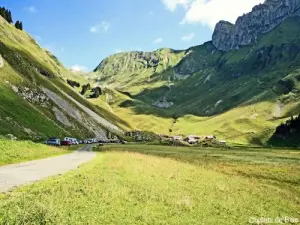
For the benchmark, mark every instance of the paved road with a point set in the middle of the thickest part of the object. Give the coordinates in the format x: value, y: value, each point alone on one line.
x: 26, y: 173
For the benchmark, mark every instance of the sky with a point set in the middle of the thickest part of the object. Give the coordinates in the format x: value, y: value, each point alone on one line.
x: 81, y: 33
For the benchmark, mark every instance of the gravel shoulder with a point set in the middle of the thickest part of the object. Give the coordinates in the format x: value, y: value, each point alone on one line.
x: 15, y: 175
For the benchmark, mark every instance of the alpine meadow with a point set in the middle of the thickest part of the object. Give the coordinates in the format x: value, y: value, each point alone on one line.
x: 207, y: 134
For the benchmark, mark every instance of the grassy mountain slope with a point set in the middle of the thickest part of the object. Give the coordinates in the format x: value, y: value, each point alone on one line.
x: 240, y: 95
x: 134, y: 71
x: 35, y: 99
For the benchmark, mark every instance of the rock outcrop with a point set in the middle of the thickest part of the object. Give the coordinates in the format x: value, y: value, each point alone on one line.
x: 34, y: 96
x: 263, y: 18
x: 1, y: 62
x: 163, y: 103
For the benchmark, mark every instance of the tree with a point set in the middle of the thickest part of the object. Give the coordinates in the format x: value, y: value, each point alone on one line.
x: 17, y: 24
x: 85, y: 88
x: 6, y: 14
x: 73, y: 83
x: 291, y: 126
x: 97, y: 92
x: 21, y: 26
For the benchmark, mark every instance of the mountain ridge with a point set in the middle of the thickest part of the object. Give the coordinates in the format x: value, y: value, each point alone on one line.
x: 262, y: 19
x: 241, y: 94
x: 36, y: 101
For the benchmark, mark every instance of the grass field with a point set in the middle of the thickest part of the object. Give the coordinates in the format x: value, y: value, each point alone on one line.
x: 137, y: 184
x: 21, y: 151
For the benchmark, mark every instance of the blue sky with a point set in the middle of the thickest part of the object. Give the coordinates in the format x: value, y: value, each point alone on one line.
x: 83, y: 32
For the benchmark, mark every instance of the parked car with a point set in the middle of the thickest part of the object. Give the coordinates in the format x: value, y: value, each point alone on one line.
x: 66, y: 143
x: 90, y: 141
x: 73, y: 140
x: 123, y: 142
x: 53, y: 141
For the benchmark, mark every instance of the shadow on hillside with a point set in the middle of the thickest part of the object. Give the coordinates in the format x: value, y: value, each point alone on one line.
x: 222, y: 93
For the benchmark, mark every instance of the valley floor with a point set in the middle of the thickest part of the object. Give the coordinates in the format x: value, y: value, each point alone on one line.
x: 138, y: 184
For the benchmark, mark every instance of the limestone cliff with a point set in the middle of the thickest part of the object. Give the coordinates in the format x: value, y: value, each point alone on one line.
x: 263, y: 18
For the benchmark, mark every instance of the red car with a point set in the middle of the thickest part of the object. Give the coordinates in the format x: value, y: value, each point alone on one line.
x: 66, y: 143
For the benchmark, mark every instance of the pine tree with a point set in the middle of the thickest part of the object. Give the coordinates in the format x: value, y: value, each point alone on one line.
x: 2, y: 12
x: 6, y: 14
x: 17, y: 24
x: 9, y: 17
x: 21, y: 26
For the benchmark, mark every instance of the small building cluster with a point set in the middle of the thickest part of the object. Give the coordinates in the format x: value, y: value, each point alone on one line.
x: 142, y: 136
x: 194, y: 139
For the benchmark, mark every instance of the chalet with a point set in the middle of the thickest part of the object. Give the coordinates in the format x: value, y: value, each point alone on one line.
x: 192, y: 139
x: 192, y: 136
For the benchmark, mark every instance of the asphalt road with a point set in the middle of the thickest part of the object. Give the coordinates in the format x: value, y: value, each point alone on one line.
x: 15, y: 175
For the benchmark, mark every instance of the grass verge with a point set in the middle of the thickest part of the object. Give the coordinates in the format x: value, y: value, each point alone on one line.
x: 22, y: 151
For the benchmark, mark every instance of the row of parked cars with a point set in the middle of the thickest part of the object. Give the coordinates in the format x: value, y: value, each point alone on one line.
x: 73, y: 141
x: 65, y: 142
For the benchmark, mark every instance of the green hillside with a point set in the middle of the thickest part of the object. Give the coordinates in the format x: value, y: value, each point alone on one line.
x: 240, y: 95
x: 36, y: 102
x: 135, y: 71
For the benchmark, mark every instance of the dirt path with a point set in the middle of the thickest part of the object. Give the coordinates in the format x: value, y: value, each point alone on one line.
x: 25, y: 173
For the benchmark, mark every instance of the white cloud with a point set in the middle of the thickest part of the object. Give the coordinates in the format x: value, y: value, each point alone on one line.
x: 103, y: 26
x: 158, y: 40
x: 208, y: 13
x: 31, y: 9
x: 188, y: 37
x: 118, y: 51
x: 79, y: 68
x: 172, y: 4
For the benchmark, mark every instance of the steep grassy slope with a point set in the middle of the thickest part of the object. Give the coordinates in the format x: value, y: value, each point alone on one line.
x: 240, y: 95
x: 35, y: 99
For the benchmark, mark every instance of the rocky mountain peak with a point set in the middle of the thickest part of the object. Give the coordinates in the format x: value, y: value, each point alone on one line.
x: 263, y: 18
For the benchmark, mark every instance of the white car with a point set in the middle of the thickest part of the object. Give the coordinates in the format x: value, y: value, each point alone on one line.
x: 89, y: 141
x: 75, y: 142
